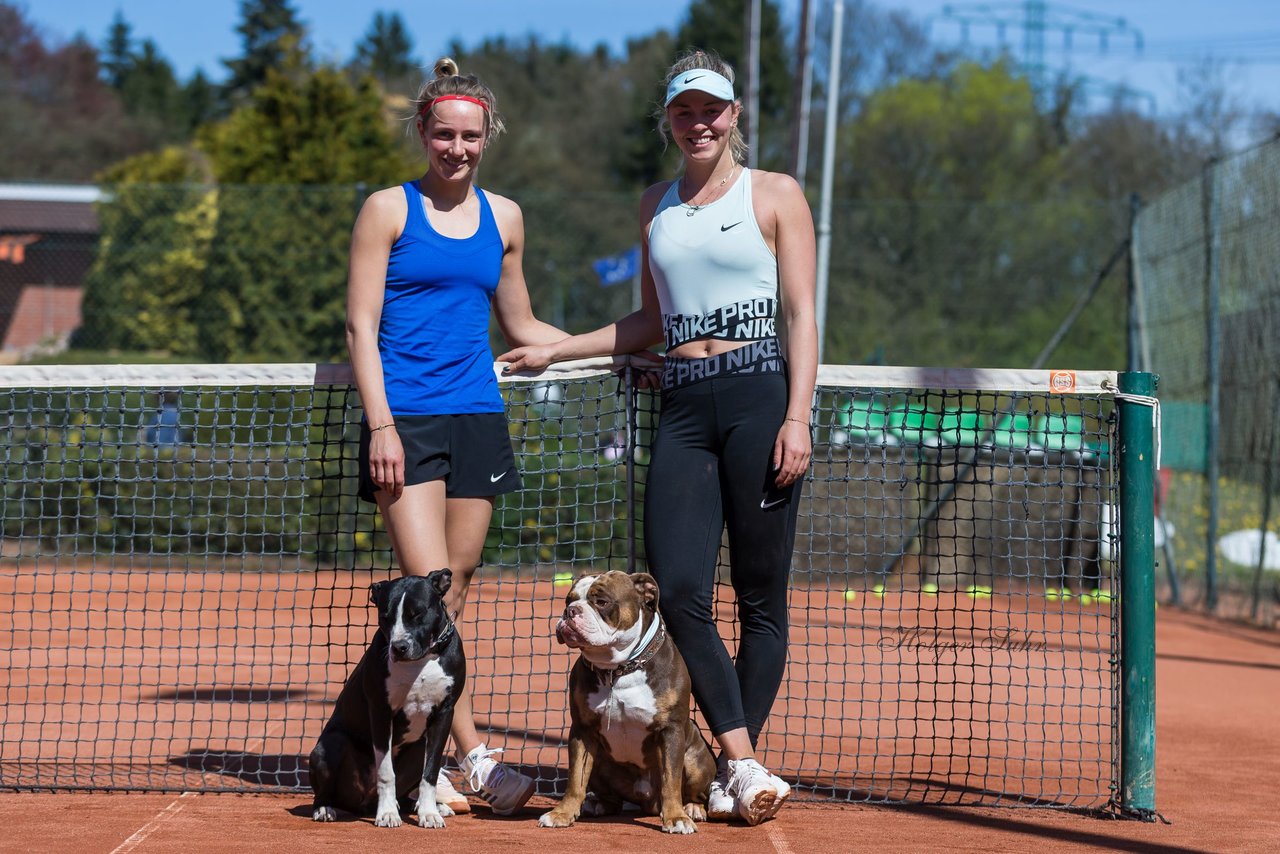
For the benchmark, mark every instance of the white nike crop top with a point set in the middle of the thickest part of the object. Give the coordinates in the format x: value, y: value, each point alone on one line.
x: 715, y: 275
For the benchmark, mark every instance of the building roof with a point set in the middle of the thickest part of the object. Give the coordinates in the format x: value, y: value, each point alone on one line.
x: 49, y: 208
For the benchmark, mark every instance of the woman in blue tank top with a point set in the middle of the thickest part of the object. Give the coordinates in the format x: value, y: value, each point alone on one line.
x: 429, y: 260
x: 727, y: 253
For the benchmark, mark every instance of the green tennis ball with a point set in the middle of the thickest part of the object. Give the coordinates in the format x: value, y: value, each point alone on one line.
x: 1086, y: 599
x: 562, y: 579
x: 930, y: 589
x: 878, y: 590
x: 851, y: 595
x: 1051, y: 593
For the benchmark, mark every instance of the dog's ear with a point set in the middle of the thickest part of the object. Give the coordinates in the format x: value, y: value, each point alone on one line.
x: 376, y: 591
x: 647, y: 587
x: 441, y: 580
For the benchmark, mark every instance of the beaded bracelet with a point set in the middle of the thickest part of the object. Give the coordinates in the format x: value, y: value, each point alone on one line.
x: 383, y: 427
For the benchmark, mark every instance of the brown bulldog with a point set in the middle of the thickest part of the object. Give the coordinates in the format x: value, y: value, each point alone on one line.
x: 631, y: 738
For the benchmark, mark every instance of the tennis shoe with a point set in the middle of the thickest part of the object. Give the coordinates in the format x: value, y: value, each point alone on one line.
x: 720, y: 804
x: 447, y: 795
x: 504, y: 788
x: 754, y: 790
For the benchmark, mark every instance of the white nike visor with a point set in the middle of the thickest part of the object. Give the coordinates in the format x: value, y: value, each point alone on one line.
x: 701, y: 80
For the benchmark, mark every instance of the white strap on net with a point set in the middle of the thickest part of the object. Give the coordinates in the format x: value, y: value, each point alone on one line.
x: 1154, y: 403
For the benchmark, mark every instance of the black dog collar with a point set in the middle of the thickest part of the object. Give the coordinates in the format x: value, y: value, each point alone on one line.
x: 631, y: 665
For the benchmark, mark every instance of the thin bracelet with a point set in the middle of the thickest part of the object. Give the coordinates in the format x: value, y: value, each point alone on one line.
x: 798, y: 421
x: 383, y: 427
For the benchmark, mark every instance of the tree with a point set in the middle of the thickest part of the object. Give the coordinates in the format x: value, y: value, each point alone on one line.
x: 964, y: 245
x: 385, y: 50
x: 117, y: 52
x: 61, y: 120
x: 270, y: 33
x: 289, y: 163
x: 157, y: 228
x: 149, y: 89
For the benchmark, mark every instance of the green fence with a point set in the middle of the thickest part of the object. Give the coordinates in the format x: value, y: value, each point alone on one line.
x: 1207, y: 282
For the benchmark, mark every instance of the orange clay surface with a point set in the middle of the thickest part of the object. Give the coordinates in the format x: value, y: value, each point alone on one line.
x: 1218, y: 767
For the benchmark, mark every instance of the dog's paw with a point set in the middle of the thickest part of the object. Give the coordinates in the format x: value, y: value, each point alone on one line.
x: 387, y: 818
x: 430, y: 819
x: 556, y: 818
x: 697, y: 812
x: 445, y: 809
x: 324, y: 814
x: 680, y: 824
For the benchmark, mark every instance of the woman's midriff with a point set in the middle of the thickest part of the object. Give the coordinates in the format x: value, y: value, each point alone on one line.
x: 704, y: 348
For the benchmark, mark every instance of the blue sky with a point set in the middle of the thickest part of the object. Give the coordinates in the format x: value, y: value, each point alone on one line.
x: 1243, y: 33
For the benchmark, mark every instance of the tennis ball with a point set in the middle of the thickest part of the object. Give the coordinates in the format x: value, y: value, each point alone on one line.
x: 1051, y: 593
x: 851, y: 595
x: 878, y: 590
x: 930, y: 589
x: 363, y: 540
x: 1086, y: 599
x: 562, y: 579
x: 984, y: 591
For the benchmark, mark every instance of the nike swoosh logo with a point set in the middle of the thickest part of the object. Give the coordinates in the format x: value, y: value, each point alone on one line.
x: 766, y: 504
x: 727, y: 227
x: 494, y: 478
x: 693, y: 77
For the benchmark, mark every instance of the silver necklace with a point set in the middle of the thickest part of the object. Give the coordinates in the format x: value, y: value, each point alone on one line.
x: 693, y: 209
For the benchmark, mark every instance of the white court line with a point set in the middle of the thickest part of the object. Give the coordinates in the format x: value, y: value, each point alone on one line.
x: 176, y: 807
x: 152, y: 826
x: 775, y: 836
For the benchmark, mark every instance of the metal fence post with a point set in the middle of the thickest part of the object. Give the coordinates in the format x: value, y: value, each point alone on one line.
x: 1137, y: 597
x: 630, y: 392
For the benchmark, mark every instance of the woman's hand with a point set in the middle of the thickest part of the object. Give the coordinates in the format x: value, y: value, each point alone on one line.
x: 648, y: 374
x: 533, y: 357
x: 791, y: 452
x: 386, y: 460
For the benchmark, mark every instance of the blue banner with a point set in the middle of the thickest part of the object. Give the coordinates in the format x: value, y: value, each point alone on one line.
x: 616, y: 269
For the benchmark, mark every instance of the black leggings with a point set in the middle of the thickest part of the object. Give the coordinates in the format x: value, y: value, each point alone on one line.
x: 712, y: 467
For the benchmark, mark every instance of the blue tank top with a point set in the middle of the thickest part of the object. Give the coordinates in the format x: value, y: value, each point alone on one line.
x: 434, y: 333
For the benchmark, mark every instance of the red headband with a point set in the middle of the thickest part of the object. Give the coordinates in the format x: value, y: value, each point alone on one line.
x: 467, y: 98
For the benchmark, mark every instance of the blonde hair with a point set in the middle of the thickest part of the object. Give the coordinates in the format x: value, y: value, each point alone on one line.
x: 447, y: 81
x: 708, y: 60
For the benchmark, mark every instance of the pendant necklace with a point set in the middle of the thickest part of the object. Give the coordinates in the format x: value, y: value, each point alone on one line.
x: 693, y: 209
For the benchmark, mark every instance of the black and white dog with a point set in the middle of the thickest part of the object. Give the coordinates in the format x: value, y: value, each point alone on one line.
x: 387, y: 734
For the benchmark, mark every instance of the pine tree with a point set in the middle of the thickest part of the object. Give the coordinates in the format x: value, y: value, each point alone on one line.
x: 117, y: 53
x: 385, y: 51
x: 270, y: 31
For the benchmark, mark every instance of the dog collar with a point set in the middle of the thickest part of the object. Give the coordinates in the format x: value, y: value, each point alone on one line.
x: 648, y: 649
x: 443, y: 638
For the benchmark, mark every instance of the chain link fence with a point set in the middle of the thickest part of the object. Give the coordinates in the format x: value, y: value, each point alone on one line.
x: 1207, y: 280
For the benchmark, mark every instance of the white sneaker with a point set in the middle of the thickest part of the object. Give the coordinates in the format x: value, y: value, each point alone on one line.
x: 754, y: 790
x: 447, y: 795
x: 720, y: 805
x: 503, y: 787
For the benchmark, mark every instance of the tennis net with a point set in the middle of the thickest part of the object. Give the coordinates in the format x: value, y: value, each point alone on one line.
x: 184, y: 572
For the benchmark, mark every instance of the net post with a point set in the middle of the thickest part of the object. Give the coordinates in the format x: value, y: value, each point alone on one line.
x: 1137, y: 596
x: 630, y: 393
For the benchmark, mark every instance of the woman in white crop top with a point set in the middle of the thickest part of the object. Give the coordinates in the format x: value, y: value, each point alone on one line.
x: 727, y: 253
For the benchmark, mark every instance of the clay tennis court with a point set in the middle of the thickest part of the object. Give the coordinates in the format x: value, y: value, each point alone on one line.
x: 181, y: 680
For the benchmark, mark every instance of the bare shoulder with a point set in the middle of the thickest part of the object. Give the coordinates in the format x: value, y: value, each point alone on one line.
x: 501, y: 205
x: 652, y: 196
x: 385, y: 209
x: 505, y: 211
x: 777, y: 187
